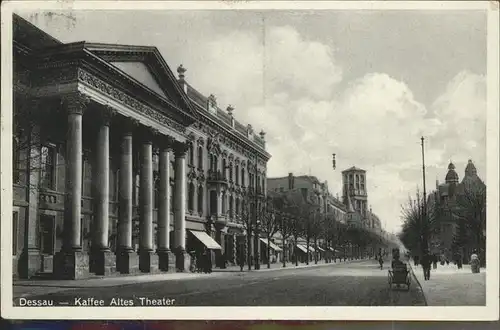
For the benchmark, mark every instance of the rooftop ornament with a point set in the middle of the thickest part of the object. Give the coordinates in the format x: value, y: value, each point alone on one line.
x: 230, y: 110
x: 181, y: 71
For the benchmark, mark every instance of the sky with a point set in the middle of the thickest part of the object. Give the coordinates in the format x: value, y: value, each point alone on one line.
x: 365, y: 85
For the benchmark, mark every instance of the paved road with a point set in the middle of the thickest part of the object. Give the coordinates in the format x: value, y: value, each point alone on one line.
x: 352, y: 284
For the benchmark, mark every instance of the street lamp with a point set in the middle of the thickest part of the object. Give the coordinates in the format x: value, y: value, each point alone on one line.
x: 424, y: 213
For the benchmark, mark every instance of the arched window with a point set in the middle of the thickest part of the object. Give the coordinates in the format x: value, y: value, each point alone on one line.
x: 237, y: 174
x: 231, y: 172
x: 243, y: 177
x: 200, y: 157
x: 191, y: 197
x: 200, y: 199
x: 224, y: 168
x: 237, y: 208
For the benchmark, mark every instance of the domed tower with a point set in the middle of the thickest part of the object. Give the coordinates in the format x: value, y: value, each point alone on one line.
x: 451, y: 176
x: 451, y: 179
x: 470, y: 169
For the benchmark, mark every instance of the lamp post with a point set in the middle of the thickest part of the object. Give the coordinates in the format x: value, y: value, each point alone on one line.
x: 424, y: 204
x: 257, y: 222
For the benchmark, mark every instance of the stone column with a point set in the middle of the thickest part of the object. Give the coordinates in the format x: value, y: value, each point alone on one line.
x: 166, y: 257
x: 182, y: 258
x: 146, y: 203
x: 126, y: 260
x: 71, y: 262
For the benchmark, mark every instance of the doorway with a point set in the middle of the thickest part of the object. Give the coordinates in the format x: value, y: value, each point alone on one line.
x: 47, y: 235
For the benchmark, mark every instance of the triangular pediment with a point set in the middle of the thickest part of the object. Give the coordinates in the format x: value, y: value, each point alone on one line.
x: 146, y: 66
x: 140, y: 72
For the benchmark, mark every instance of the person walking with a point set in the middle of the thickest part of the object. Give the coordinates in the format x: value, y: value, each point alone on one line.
x: 474, y: 262
x: 426, y: 265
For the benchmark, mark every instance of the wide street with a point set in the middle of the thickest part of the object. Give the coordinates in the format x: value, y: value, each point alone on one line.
x: 356, y: 283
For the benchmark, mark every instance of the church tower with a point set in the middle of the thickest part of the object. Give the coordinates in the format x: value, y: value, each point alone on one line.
x: 354, y: 190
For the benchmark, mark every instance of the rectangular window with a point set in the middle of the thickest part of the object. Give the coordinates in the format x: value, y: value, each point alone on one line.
x: 48, y: 157
x: 15, y: 228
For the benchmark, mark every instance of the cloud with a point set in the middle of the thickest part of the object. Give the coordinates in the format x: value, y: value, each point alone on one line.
x: 375, y: 123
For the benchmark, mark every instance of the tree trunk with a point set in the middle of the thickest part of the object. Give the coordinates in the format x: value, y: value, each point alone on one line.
x: 268, y: 252
x: 295, y: 254
x: 316, y: 251
x: 249, y: 254
x: 307, y: 248
x: 283, y: 257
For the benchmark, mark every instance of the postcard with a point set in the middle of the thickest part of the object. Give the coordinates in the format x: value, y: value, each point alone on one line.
x: 250, y: 160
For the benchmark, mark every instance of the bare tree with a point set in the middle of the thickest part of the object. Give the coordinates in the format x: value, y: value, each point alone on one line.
x: 471, y: 210
x: 247, y: 220
x: 269, y: 221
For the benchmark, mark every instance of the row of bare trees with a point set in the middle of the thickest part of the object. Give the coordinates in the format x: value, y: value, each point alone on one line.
x: 295, y: 215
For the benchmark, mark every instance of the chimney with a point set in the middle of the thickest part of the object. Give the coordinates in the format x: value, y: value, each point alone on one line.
x: 181, y: 71
x: 290, y: 181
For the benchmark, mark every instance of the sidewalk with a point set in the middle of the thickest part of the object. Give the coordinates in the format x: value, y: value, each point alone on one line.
x: 450, y: 286
x: 25, y: 288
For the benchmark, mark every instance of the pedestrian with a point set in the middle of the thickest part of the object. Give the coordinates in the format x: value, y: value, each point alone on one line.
x: 474, y: 262
x: 426, y: 265
x: 434, y: 261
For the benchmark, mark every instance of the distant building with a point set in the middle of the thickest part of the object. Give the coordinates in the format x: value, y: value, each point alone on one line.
x: 444, y: 201
x: 310, y: 184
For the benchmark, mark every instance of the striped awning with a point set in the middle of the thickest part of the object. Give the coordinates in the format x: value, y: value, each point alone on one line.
x: 320, y: 248
x: 272, y: 245
x: 208, y: 241
x: 302, y: 248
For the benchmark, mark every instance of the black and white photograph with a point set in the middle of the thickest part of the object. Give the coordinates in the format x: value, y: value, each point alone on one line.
x: 244, y: 155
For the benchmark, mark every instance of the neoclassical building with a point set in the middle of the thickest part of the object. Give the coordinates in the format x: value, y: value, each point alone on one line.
x: 119, y: 165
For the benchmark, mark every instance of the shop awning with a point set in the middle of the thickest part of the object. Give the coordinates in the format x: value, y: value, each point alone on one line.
x: 311, y: 249
x: 208, y: 241
x: 272, y: 245
x: 321, y: 249
x: 302, y: 248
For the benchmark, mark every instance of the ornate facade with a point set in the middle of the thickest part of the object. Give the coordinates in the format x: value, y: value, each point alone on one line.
x: 119, y: 166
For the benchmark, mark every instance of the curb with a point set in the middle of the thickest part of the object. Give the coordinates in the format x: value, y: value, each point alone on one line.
x: 287, y: 267
x: 419, y: 284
